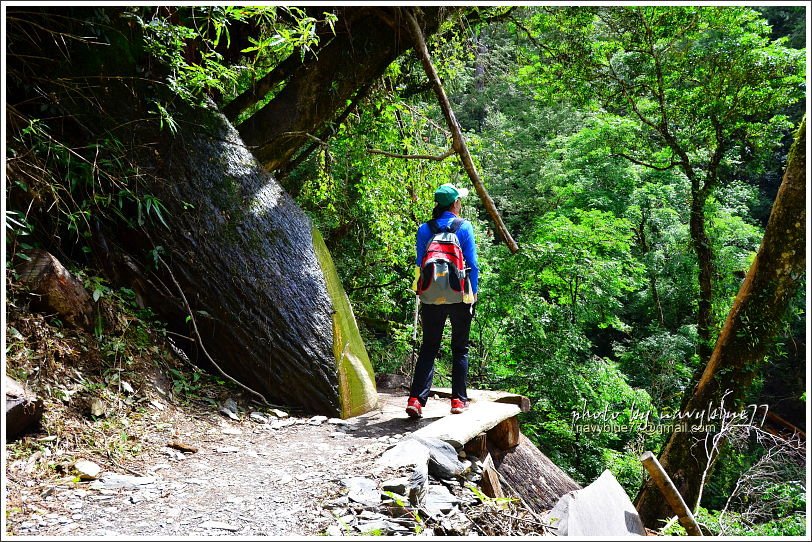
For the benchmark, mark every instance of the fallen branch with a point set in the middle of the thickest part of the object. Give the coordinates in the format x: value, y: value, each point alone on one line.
x: 458, y: 141
x: 672, y: 496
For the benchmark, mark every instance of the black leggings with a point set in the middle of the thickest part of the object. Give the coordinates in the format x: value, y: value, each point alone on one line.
x: 434, y: 317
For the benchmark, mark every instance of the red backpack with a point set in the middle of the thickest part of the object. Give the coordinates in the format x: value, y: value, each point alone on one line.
x: 443, y: 277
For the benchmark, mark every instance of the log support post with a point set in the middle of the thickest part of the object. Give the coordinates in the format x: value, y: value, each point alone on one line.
x: 477, y: 446
x: 505, y: 435
x: 491, y: 486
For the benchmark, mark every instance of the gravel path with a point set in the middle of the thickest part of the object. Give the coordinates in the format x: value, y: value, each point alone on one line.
x: 246, y: 478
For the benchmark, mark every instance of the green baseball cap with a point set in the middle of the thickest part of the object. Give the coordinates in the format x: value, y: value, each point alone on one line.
x: 448, y: 194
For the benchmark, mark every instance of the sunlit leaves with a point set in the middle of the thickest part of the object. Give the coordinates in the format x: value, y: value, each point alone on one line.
x: 187, y: 41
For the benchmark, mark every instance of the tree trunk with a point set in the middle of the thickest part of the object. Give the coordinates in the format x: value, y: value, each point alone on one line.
x: 763, y: 298
x: 317, y: 90
x: 530, y: 474
x: 56, y: 288
x: 704, y: 255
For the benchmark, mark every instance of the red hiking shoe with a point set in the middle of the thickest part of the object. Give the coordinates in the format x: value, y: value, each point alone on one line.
x: 458, y: 406
x: 413, y: 408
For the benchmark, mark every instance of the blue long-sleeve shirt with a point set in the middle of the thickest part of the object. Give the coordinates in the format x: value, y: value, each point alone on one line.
x: 466, y: 236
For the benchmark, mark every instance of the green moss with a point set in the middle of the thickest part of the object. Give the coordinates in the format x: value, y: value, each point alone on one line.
x: 356, y: 379
x: 228, y: 195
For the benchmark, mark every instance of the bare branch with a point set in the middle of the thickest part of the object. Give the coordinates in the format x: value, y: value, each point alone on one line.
x: 440, y: 158
x: 646, y: 164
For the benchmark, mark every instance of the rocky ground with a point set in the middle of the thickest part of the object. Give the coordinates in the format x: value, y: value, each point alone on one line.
x: 202, y: 473
x: 136, y: 441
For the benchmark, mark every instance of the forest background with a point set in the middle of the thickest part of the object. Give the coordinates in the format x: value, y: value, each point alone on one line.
x: 634, y: 235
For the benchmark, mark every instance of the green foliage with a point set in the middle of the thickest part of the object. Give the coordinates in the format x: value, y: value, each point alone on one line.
x: 185, y: 385
x: 190, y: 42
x: 593, y: 129
x: 733, y: 524
x: 581, y: 263
x: 598, y: 309
x: 79, y: 185
x: 660, y: 363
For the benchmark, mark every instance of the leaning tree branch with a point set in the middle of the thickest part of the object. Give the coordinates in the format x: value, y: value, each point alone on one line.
x: 458, y: 141
x: 262, y: 87
x: 438, y: 158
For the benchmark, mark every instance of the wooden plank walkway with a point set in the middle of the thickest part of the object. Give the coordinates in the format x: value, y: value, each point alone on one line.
x: 524, y: 470
x: 458, y: 429
x: 487, y: 410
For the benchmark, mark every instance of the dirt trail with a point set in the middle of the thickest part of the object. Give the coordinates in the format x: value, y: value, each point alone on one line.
x: 246, y: 478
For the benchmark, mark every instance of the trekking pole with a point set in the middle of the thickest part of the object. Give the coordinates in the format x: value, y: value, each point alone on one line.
x: 413, y: 359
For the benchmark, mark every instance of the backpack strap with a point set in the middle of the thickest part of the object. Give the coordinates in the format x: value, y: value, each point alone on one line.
x: 455, y: 224
x: 452, y: 227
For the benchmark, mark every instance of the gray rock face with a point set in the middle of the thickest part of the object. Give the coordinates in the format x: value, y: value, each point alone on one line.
x: 229, y: 409
x: 408, y: 452
x: 418, y: 485
x: 601, y: 509
x: 363, y: 491
x: 439, y: 500
x: 443, y: 461
x: 259, y: 417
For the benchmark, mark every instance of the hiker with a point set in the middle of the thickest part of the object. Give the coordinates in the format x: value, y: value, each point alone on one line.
x: 446, y: 280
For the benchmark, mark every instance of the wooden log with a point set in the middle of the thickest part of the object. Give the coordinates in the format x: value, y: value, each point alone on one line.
x: 23, y: 409
x: 58, y: 290
x: 494, y: 396
x: 672, y: 496
x: 530, y: 475
x: 183, y: 447
x: 505, y: 434
x: 477, y: 446
x: 490, y: 480
x: 458, y: 429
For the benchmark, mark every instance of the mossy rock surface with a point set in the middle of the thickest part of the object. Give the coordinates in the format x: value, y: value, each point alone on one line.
x: 356, y: 379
